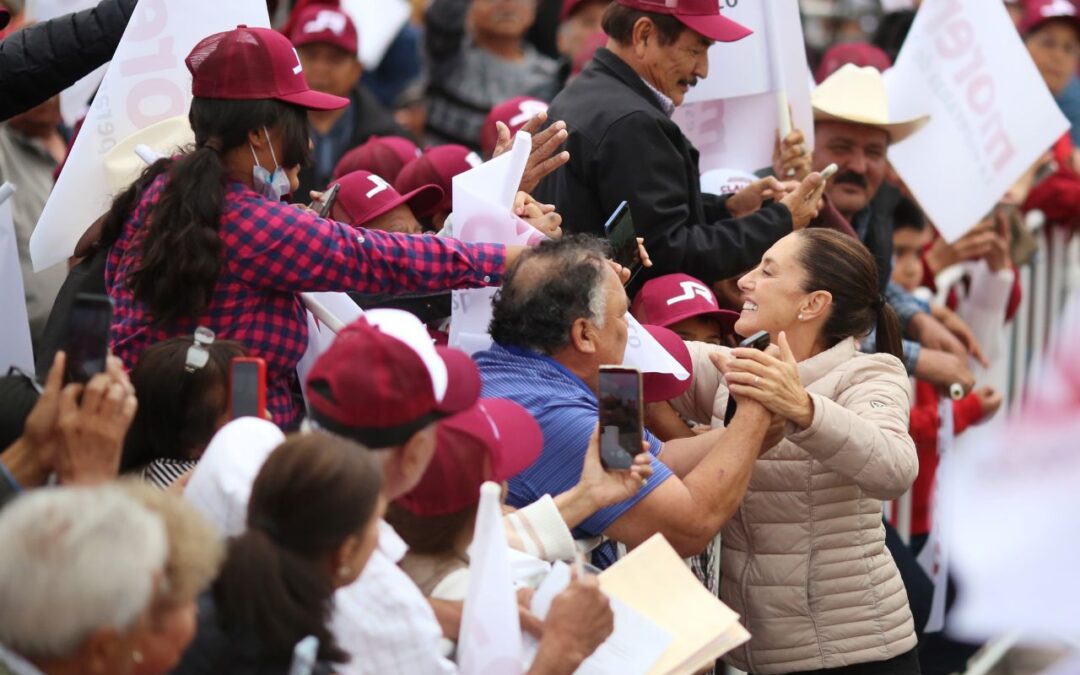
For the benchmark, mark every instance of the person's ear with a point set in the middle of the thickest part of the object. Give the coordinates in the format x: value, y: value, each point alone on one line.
x: 257, y: 139
x: 357, y: 72
x: 341, y: 559
x: 583, y: 336
x: 414, y: 456
x: 102, y: 650
x: 642, y: 31
x: 816, y: 304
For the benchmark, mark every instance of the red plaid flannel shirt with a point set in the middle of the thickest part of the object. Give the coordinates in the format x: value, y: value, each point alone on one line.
x: 271, y: 252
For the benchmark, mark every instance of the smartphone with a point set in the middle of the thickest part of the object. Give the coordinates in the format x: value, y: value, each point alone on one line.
x: 247, y: 387
x: 759, y: 340
x: 621, y: 416
x: 829, y: 171
x: 323, y: 207
x: 87, y: 341
x: 623, y: 239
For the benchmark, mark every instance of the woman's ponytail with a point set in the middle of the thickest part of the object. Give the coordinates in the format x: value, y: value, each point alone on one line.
x: 888, y: 332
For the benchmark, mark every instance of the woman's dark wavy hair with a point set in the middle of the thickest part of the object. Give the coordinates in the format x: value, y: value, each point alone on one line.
x: 181, y: 252
x: 314, y: 491
x: 841, y: 265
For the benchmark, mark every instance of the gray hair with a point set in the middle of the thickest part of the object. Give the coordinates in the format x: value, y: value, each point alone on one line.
x: 74, y: 560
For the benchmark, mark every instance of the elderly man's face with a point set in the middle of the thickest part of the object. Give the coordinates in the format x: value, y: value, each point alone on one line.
x: 859, y: 152
x: 611, y: 341
x: 674, y: 68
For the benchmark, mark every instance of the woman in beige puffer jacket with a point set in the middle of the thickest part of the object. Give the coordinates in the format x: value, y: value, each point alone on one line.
x: 804, y: 560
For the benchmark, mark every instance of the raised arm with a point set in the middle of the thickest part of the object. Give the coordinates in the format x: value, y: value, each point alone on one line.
x: 290, y: 249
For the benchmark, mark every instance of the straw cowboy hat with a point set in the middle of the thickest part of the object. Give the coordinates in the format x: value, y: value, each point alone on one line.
x: 857, y: 96
x: 123, y: 165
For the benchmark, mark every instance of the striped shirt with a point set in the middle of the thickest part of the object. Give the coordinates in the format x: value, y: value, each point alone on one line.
x: 568, y: 413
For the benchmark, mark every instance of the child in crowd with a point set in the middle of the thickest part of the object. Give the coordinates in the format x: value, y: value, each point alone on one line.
x: 911, y: 234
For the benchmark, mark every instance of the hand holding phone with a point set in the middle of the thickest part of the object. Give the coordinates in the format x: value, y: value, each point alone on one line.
x: 87, y: 340
x: 760, y: 341
x: 621, y: 416
x: 623, y: 239
x: 324, y: 206
x: 247, y: 387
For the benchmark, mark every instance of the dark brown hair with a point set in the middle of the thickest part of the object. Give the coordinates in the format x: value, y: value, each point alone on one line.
x: 841, y: 265
x: 314, y: 491
x: 178, y: 411
x: 618, y: 22
x: 430, y: 535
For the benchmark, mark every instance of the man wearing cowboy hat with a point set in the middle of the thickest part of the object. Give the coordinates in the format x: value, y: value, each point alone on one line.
x: 624, y: 145
x: 853, y: 129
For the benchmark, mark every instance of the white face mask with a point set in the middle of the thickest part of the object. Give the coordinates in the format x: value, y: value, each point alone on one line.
x: 275, y: 186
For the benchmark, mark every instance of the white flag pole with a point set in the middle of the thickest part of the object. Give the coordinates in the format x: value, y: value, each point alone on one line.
x: 324, y: 315
x: 783, y: 109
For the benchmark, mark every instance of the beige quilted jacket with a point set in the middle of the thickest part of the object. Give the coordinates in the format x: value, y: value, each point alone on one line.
x: 804, y: 559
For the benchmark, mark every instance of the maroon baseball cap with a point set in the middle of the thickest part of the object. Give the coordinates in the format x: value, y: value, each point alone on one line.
x: 672, y: 298
x: 364, y: 196
x: 382, y: 380
x: 658, y: 387
x: 514, y: 113
x: 253, y: 64
x: 494, y: 441
x: 1038, y: 12
x: 701, y: 16
x: 327, y: 25
x: 438, y: 166
x: 862, y: 54
x: 381, y: 155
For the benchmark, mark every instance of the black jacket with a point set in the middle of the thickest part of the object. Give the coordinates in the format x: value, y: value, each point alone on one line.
x: 623, y: 147
x: 43, y: 59
x: 369, y: 119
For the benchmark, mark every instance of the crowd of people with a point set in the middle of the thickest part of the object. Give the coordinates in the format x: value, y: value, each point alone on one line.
x: 149, y: 528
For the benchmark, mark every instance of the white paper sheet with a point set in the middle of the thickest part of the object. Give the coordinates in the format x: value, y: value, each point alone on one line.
x: 991, y: 113
x: 146, y: 82
x: 16, y: 349
x: 636, y: 644
x: 731, y: 116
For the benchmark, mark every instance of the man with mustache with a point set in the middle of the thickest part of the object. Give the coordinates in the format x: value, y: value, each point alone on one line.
x: 623, y: 145
x: 853, y: 129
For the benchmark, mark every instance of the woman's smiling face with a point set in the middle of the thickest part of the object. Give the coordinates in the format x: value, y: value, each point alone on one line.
x: 773, y: 292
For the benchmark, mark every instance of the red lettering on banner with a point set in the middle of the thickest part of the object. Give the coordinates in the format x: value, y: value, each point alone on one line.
x: 148, y: 20
x: 150, y: 91
x: 955, y: 41
x: 997, y: 141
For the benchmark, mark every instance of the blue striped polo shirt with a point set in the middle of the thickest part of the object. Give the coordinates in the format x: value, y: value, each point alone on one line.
x: 567, y: 412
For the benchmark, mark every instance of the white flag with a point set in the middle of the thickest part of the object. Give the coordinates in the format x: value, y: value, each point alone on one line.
x: 378, y: 22
x: 146, y: 82
x: 732, y: 116
x: 490, y: 638
x: 483, y: 202
x: 991, y: 115
x: 16, y: 348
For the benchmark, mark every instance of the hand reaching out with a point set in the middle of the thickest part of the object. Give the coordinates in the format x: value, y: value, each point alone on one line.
x: 791, y: 157
x: 543, y: 159
x: 750, y: 198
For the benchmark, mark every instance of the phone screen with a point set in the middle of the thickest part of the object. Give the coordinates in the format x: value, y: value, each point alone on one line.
x: 620, y: 417
x: 328, y: 201
x: 87, y: 343
x: 247, y: 388
x: 623, y: 239
x: 759, y: 340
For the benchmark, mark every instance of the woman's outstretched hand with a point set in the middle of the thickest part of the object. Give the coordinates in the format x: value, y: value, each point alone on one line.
x: 771, y: 378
